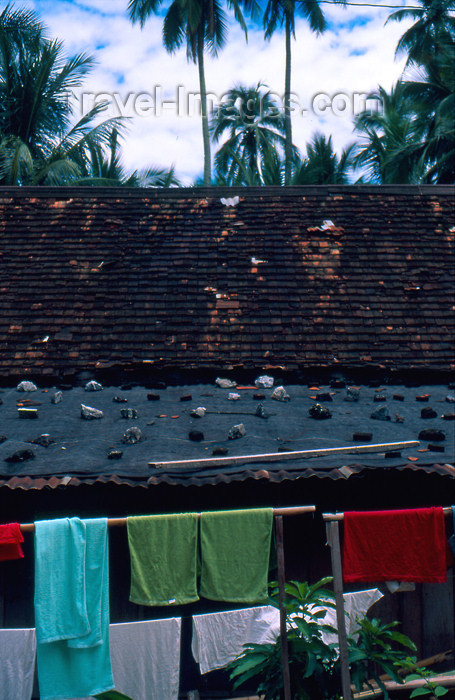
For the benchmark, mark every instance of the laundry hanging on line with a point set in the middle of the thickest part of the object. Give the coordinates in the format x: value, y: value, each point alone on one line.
x: 17, y: 663
x: 234, y: 550
x: 163, y: 557
x: 218, y: 638
x: 235, y: 554
x: 146, y: 658
x: 402, y: 545
x: 72, y: 607
x: 10, y: 542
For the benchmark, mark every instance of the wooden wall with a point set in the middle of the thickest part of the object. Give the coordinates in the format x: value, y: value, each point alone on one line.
x: 427, y: 614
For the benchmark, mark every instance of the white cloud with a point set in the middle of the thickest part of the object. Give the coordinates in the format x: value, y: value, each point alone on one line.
x: 353, y: 56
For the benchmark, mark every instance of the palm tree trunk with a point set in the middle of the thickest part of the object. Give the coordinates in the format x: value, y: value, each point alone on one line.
x: 287, y: 106
x: 205, y: 123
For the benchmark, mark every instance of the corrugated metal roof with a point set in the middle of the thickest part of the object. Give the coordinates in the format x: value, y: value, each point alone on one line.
x: 27, y: 483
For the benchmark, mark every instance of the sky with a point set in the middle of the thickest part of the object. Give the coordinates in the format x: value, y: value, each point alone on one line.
x: 331, y: 74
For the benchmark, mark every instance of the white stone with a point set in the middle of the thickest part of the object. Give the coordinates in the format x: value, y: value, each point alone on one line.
x: 90, y: 413
x: 93, y: 386
x: 264, y: 382
x: 280, y: 394
x: 26, y: 386
x: 199, y: 412
x: 237, y: 431
x: 57, y: 397
x: 225, y: 383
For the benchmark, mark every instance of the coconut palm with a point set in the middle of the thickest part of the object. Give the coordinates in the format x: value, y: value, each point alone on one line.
x: 36, y: 81
x: 433, y: 29
x: 322, y: 166
x: 37, y: 142
x: 279, y: 13
x: 385, y: 134
x: 255, y: 128
x: 430, y: 90
x: 202, y: 24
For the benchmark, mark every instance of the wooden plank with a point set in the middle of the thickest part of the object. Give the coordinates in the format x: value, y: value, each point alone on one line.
x: 283, y: 620
x: 437, y: 617
x: 410, y: 614
x: 284, y: 456
x: 335, y: 550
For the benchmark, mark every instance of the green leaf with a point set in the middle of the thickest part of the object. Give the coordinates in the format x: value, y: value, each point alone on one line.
x: 404, y: 640
x: 112, y: 695
x: 357, y: 655
x: 311, y: 665
x: 419, y: 691
x: 439, y: 691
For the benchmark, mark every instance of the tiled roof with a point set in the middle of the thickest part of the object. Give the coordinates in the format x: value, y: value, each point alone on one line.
x: 319, y: 276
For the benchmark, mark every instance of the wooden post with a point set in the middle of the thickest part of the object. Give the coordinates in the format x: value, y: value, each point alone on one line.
x: 333, y: 537
x: 283, y: 630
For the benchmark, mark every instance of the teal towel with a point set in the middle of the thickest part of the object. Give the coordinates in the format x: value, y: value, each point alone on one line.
x: 235, y: 552
x: 60, y: 607
x: 73, y: 666
x: 163, y: 554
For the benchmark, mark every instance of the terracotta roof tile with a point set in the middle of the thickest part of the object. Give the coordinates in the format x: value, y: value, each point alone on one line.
x: 300, y: 275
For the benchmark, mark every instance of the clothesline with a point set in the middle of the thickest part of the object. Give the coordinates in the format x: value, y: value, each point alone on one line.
x: 114, y: 522
x: 331, y: 517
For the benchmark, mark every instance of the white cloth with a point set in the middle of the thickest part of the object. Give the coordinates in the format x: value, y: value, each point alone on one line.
x: 17, y: 663
x: 355, y: 605
x: 219, y: 637
x: 145, y: 658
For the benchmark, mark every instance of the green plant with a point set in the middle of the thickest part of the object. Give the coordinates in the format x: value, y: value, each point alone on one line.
x: 377, y: 646
x: 312, y: 662
x: 431, y: 688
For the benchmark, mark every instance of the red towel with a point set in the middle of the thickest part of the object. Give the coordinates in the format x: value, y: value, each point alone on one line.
x: 10, y: 539
x: 401, y: 545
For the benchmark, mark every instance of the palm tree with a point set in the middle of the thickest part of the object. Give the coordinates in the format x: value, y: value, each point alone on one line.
x: 430, y: 90
x: 283, y: 12
x: 37, y: 143
x: 202, y: 24
x: 385, y: 134
x: 322, y: 166
x: 255, y: 128
x: 434, y: 28
x: 35, y: 81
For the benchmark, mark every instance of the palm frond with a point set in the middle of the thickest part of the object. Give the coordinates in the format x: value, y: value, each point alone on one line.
x: 141, y: 10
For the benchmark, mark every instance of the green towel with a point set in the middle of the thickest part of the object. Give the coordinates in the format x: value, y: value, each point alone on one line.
x: 72, y: 667
x: 235, y: 551
x: 163, y: 553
